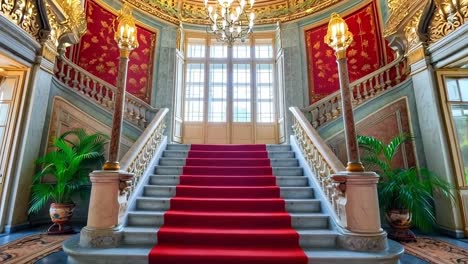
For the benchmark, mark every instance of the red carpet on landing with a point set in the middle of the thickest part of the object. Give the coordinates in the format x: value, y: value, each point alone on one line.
x: 227, y: 210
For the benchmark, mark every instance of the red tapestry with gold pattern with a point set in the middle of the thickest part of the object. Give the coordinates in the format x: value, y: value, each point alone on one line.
x: 98, y: 52
x: 364, y: 54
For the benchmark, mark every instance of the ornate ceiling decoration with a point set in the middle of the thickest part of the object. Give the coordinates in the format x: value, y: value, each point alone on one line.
x: 267, y: 11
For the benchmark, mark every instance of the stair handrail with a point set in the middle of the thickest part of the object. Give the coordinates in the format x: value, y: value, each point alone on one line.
x: 101, y: 92
x: 367, y: 87
x: 321, y: 160
x: 138, y: 158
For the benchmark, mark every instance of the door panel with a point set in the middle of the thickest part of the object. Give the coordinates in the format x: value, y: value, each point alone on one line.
x: 242, y: 133
x: 217, y: 133
x: 193, y: 133
x: 266, y: 133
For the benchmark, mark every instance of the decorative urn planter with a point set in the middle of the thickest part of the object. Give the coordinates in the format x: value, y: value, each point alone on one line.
x: 60, y: 214
x: 400, y: 221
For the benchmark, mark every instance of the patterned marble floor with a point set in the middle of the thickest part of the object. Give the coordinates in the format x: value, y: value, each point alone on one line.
x: 61, y: 258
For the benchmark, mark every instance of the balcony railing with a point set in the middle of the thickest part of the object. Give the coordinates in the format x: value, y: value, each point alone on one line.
x: 102, y: 93
x: 328, y: 108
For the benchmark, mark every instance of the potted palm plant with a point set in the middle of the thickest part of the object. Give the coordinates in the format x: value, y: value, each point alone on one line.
x: 64, y: 174
x: 405, y: 194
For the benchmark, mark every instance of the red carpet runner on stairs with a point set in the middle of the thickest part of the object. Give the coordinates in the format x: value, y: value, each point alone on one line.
x: 227, y: 210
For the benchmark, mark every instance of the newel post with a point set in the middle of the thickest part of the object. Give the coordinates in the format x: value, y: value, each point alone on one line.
x: 362, y: 225
x: 103, y: 229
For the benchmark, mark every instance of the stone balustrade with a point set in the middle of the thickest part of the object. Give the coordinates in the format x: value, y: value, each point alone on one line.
x: 102, y: 93
x: 352, y: 195
x: 328, y: 108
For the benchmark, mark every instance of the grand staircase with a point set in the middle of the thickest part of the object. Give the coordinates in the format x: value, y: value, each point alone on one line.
x: 317, y: 234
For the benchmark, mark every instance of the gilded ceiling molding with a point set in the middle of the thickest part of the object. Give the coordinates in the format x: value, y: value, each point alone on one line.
x: 267, y: 11
x: 160, y: 11
x: 23, y: 13
x: 450, y: 15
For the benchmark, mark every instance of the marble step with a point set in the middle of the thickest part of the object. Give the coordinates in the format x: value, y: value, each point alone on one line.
x: 277, y: 171
x: 271, y: 154
x: 274, y: 162
x: 133, y: 236
x: 138, y: 254
x: 298, y: 220
x: 292, y: 205
x: 186, y: 147
x: 286, y: 192
x: 282, y: 181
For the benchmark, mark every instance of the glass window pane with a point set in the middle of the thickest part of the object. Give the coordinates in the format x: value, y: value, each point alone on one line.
x: 2, y: 132
x: 241, y: 51
x: 194, y: 92
x: 463, y: 85
x: 6, y: 89
x: 452, y: 90
x: 241, y: 93
x: 4, y: 109
x: 264, y: 48
x: 217, y: 104
x: 196, y: 48
x: 218, y: 50
x: 265, y: 112
x: 460, y: 118
x: 241, y: 111
x: 265, y: 106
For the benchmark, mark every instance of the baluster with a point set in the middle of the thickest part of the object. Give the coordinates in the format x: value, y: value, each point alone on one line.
x: 62, y: 70
x: 322, y: 114
x: 106, y: 99
x: 314, y: 114
x: 143, y: 120
x: 328, y: 110
x: 335, y: 107
x: 111, y: 102
x: 100, y: 95
x: 94, y: 90
x: 371, y: 90
x: 364, y: 90
x: 67, y: 77
x: 82, y: 86
x: 358, y: 93
x: 398, y: 76
x: 388, y: 82
x: 75, y: 81
x: 88, y: 87
x: 381, y: 81
x: 378, y: 88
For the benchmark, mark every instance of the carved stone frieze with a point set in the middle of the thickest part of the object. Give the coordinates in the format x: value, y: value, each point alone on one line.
x: 363, y: 243
x: 23, y: 13
x: 449, y: 16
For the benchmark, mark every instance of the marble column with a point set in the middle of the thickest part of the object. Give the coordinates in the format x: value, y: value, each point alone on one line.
x: 119, y: 98
x: 354, y: 162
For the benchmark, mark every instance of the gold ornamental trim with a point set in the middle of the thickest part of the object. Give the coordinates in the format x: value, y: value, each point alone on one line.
x: 267, y: 12
x: 400, y: 12
x: 24, y: 14
x: 444, y: 22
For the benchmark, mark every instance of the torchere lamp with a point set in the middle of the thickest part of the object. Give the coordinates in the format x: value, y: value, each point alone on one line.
x: 126, y: 37
x: 339, y: 38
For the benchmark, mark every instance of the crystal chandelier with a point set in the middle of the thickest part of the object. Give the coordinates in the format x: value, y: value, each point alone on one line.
x: 229, y: 22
